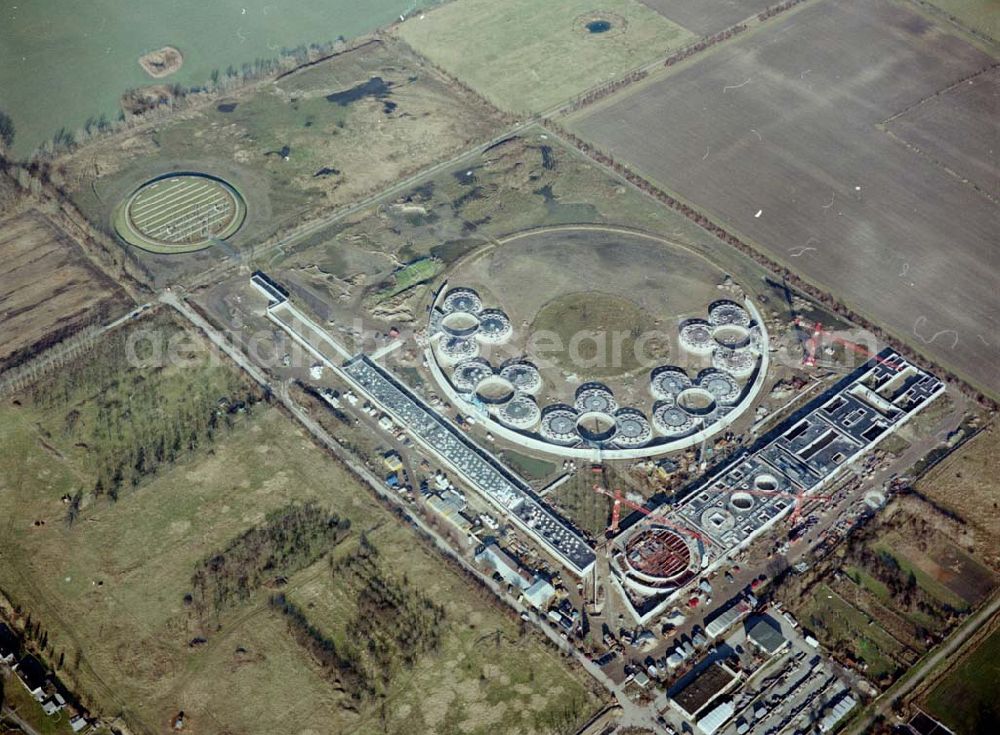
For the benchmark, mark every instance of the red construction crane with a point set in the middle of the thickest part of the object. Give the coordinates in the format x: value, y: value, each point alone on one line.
x: 619, y: 500
x: 800, y: 499
x: 818, y: 333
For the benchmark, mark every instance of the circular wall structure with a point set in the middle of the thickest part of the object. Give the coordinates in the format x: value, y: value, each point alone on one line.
x: 721, y: 385
x: 469, y: 374
x: 633, y: 429
x: 733, y: 336
x: 655, y: 559
x: 559, y: 425
x: 457, y: 349
x: 180, y: 213
x: 595, y: 398
x: 596, y: 426
x: 696, y: 336
x: 667, y: 383
x: 672, y: 421
x: 696, y: 401
x: 738, y: 363
x: 460, y: 323
x: 728, y: 313
x: 462, y: 299
x: 523, y: 375
x: 494, y: 390
x: 494, y: 327
x: 521, y: 412
x: 578, y: 286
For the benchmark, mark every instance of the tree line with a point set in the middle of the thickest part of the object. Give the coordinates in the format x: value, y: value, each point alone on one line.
x: 291, y: 538
x: 393, y: 625
x: 133, y: 421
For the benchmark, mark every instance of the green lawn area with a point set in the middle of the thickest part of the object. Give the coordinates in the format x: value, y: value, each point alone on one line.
x: 966, y: 699
x: 869, y: 582
x: 412, y: 274
x: 526, y: 55
x: 531, y: 467
x: 979, y: 15
x: 17, y: 698
x: 577, y: 500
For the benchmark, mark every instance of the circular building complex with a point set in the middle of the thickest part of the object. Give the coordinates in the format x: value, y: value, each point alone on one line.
x: 654, y: 559
x: 561, y: 348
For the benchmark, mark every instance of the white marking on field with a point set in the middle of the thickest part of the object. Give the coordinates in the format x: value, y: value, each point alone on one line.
x: 195, y: 201
x: 170, y: 206
x: 759, y: 136
x: 707, y: 151
x: 736, y: 86
x: 798, y: 250
x: 148, y: 201
x: 150, y: 198
x: 919, y: 324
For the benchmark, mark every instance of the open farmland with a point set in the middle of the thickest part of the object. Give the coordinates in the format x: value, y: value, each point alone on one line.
x: 48, y: 287
x: 708, y: 16
x: 528, y: 56
x: 776, y: 135
x: 104, y: 557
x: 970, y: 106
x: 965, y: 699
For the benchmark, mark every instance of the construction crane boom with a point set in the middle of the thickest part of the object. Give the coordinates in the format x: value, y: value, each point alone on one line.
x: 616, y: 513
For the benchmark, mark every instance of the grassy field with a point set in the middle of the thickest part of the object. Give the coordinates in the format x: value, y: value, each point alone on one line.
x: 965, y: 483
x: 528, y: 56
x: 485, y: 677
x: 841, y: 626
x: 708, y: 16
x: 570, y: 316
x: 533, y: 468
x: 318, y: 138
x: 577, y: 500
x: 965, y: 700
x: 109, y: 588
x: 979, y: 15
x: 83, y: 57
x: 48, y: 288
x: 717, y: 131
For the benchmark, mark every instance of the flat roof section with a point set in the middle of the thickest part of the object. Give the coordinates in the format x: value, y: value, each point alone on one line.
x: 695, y: 695
x: 476, y: 466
